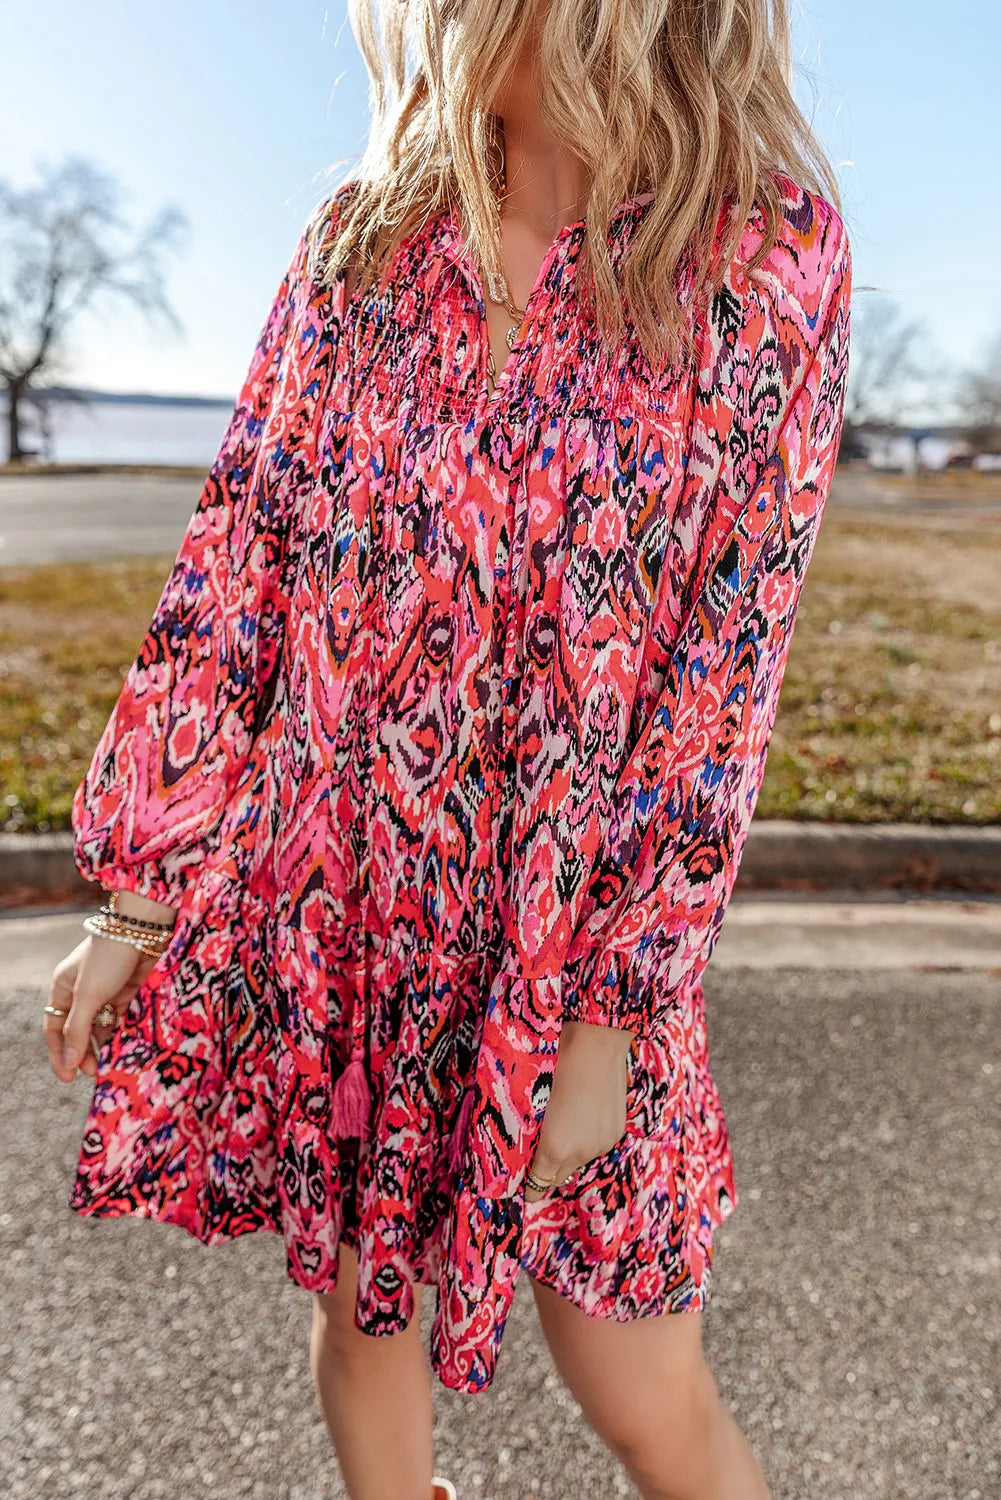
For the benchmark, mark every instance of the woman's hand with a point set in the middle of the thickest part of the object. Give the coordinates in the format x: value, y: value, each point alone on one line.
x: 586, y: 1113
x: 98, y: 971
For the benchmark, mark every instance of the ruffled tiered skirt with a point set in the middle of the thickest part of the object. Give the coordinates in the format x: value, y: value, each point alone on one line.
x: 212, y: 1110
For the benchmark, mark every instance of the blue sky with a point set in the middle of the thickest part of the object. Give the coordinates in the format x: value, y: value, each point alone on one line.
x: 234, y: 112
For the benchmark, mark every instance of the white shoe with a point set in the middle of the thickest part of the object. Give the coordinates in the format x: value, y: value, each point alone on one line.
x: 443, y: 1489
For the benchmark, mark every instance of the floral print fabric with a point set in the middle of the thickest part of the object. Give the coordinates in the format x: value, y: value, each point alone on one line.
x: 448, y: 728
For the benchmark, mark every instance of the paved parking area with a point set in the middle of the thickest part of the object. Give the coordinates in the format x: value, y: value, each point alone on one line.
x: 854, y: 1328
x: 92, y: 517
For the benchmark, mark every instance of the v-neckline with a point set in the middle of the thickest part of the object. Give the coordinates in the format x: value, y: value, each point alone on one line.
x: 488, y: 396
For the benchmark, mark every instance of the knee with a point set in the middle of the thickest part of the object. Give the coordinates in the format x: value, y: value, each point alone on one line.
x: 664, y: 1457
x: 335, y: 1334
x: 338, y: 1343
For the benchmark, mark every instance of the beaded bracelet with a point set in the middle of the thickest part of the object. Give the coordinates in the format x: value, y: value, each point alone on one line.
x: 109, y: 924
x: 151, y: 944
x: 111, y: 909
x: 135, y: 924
x: 122, y: 923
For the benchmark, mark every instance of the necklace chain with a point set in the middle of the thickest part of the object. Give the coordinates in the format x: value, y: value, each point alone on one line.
x: 500, y: 292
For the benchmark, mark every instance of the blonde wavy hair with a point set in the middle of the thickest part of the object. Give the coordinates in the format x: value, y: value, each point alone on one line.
x: 688, y: 99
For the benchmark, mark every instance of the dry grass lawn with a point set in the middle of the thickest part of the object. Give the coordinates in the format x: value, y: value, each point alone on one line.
x: 890, y: 709
x: 67, y: 635
x: 891, y: 704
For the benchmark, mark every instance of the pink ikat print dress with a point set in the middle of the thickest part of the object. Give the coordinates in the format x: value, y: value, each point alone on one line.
x: 448, y: 728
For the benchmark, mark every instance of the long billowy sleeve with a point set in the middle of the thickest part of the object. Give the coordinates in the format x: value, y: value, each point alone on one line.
x: 656, y: 898
x: 185, y: 718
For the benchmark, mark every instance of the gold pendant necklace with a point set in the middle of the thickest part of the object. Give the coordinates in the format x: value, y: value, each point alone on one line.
x: 500, y: 293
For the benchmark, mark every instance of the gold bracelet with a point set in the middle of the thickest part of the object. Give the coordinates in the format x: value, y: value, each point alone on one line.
x: 116, y: 926
x: 538, y: 1184
x: 134, y: 924
x: 124, y: 924
x: 146, y: 943
x: 150, y: 945
x: 111, y: 907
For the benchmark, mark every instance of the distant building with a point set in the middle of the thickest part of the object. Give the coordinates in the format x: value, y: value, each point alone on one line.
x: 914, y: 450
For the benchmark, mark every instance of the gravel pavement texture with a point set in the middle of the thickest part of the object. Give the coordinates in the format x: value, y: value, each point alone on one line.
x: 854, y: 1328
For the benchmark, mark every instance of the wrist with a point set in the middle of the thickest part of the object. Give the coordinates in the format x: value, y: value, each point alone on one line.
x: 590, y: 1036
x: 131, y: 904
x: 149, y: 937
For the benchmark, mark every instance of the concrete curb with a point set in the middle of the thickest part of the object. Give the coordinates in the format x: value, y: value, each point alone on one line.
x: 783, y: 855
x: 779, y: 855
x: 40, y: 864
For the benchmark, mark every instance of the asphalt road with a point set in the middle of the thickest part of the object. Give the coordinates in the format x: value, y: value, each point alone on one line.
x: 854, y: 1328
x: 94, y: 517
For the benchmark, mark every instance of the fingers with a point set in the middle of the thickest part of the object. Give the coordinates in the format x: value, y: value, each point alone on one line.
x: 77, y: 1029
x: 121, y: 1001
x: 557, y: 1177
x: 105, y: 968
x: 96, y: 973
x: 548, y: 1168
x: 60, y: 998
x: 587, y: 1110
x: 80, y: 1032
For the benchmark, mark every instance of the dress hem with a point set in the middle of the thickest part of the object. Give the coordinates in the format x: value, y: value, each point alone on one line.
x: 610, y: 1311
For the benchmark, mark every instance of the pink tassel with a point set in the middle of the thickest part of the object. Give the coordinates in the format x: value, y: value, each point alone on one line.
x: 457, y: 1145
x: 352, y: 1102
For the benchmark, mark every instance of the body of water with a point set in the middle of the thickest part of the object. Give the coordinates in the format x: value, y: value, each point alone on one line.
x: 140, y: 432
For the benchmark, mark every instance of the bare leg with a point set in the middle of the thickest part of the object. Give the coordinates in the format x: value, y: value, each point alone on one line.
x: 375, y: 1395
x: 645, y: 1389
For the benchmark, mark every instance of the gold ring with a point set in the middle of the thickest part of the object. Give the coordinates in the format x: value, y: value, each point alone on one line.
x: 107, y: 1015
x: 55, y: 1010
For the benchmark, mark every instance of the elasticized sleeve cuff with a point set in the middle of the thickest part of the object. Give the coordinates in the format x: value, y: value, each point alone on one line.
x: 616, y: 997
x: 151, y: 878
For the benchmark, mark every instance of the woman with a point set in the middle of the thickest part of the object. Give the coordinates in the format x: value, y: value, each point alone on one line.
x: 432, y: 774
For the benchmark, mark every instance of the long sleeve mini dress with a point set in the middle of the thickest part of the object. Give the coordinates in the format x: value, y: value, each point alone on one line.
x: 447, y: 729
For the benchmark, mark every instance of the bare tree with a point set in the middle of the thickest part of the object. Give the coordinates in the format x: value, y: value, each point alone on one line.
x: 885, y: 377
x: 62, y: 251
x: 980, y: 401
